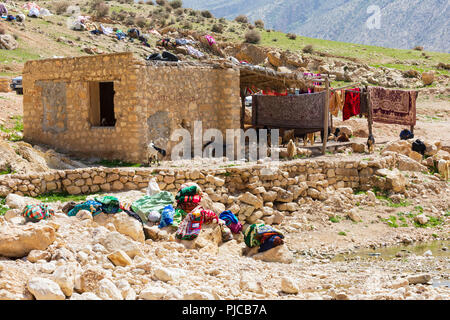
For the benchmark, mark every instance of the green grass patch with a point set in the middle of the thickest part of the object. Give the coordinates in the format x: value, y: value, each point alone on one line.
x: 118, y: 163
x: 3, y: 208
x: 336, y: 219
x: 7, y: 171
x: 63, y: 197
x: 342, y: 233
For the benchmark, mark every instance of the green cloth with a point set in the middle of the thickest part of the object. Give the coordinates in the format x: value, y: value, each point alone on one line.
x: 110, y: 204
x: 178, y: 216
x: 156, y: 202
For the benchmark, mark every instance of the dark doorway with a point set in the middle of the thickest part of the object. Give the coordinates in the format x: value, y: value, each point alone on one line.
x: 102, y: 104
x: 107, y: 104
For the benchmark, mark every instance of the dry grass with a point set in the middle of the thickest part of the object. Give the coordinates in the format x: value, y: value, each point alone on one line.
x: 241, y: 18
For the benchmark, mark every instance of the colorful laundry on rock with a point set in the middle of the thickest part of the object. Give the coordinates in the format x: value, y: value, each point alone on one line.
x: 257, y: 234
x: 271, y: 242
x: 37, y: 212
x: 352, y: 105
x: 94, y: 207
x: 110, y: 204
x: 156, y: 202
x: 190, y: 227
x: 231, y: 221
x: 178, y: 217
x: 167, y: 216
x: 393, y: 106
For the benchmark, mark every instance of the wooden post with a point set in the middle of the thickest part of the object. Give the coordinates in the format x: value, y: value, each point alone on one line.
x: 369, y: 113
x: 243, y: 109
x: 412, y: 129
x: 325, y: 118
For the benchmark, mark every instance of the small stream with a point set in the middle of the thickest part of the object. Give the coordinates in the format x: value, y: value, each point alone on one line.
x: 439, y: 248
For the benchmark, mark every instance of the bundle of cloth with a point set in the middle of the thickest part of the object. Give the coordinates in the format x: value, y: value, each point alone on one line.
x: 264, y: 236
x: 406, y: 135
x: 3, y: 9
x: 37, y: 212
x: 106, y: 204
x: 149, y: 208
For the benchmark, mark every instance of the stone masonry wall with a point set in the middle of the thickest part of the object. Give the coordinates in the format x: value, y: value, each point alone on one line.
x: 175, y: 96
x: 57, y: 102
x: 252, y: 191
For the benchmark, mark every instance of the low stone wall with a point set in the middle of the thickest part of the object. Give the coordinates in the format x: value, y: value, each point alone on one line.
x: 302, y: 176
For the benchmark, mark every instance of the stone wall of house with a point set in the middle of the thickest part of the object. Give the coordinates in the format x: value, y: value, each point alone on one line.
x: 57, y: 106
x: 174, y: 97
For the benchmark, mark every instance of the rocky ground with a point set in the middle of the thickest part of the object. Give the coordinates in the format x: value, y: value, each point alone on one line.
x: 335, y: 247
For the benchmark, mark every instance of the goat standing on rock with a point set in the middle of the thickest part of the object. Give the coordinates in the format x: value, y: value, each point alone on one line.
x: 155, y: 154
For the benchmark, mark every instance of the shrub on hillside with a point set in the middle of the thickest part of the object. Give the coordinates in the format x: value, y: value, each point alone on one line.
x: 291, y: 36
x: 206, y: 14
x: 100, y: 8
x: 252, y: 36
x: 418, y: 48
x: 179, y: 11
x: 241, y: 18
x: 140, y: 22
x: 308, y: 49
x: 251, y: 27
x: 217, y: 28
x: 60, y: 7
x: 161, y: 2
x: 176, y: 4
x: 259, y: 24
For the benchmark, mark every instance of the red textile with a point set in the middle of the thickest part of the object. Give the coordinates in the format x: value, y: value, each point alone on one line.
x: 352, y: 105
x: 274, y: 93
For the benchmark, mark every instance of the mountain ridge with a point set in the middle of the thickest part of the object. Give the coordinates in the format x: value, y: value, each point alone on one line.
x: 404, y: 24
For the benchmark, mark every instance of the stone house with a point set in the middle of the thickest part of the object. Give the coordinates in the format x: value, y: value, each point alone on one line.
x: 111, y: 106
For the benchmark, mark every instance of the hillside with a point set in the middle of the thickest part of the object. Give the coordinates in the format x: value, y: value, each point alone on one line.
x: 404, y: 23
x: 50, y: 36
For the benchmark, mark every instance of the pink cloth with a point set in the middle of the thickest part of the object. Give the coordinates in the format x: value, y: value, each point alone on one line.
x: 210, y: 39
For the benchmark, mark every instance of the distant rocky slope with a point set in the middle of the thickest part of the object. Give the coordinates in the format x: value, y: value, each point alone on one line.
x: 404, y: 23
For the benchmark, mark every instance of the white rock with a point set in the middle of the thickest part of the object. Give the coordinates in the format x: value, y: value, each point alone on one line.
x: 167, y: 274
x: 129, y: 226
x: 197, y: 295
x: 289, y: 286
x: 45, y: 289
x: 84, y: 215
x: 108, y: 289
x: 64, y: 276
x: 152, y: 292
x: 85, y: 296
x: 14, y: 201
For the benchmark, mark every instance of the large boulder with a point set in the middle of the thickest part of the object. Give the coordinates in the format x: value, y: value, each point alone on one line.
x: 115, y: 241
x: 18, y: 241
x: 129, y: 226
x: 251, y: 53
x: 400, y: 146
x: 408, y: 164
x: 8, y: 42
x: 392, y: 180
x: 428, y: 78
x: 14, y: 201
